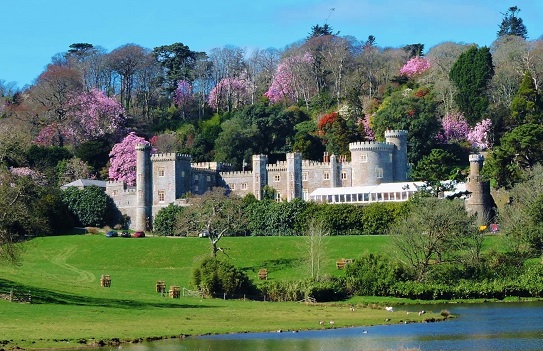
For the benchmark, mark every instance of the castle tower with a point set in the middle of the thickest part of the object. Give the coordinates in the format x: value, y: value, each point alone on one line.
x: 480, y: 201
x: 399, y: 139
x: 294, y: 176
x: 334, y: 172
x: 371, y: 163
x: 260, y: 174
x: 143, y: 186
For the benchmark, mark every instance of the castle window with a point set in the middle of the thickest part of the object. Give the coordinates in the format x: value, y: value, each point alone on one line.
x: 277, y: 178
x: 326, y: 175
x: 305, y: 194
x: 196, y: 177
x: 304, y: 176
x: 196, y: 188
x: 277, y: 197
x: 208, y: 178
x: 343, y: 175
x: 243, y: 186
x: 364, y: 157
x: 232, y: 186
x: 183, y: 174
x: 390, y: 157
x: 379, y: 173
x: 161, y: 196
x: 114, y: 193
x: 161, y: 171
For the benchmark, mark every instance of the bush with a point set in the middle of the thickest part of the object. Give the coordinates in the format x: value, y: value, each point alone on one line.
x: 297, y: 290
x: 165, y: 220
x: 215, y: 277
x: 90, y: 206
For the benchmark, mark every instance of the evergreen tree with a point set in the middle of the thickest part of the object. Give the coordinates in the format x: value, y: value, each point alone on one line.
x: 512, y: 25
x: 526, y: 106
x: 471, y: 73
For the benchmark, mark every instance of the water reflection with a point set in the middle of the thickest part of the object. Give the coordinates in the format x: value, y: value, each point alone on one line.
x: 496, y: 327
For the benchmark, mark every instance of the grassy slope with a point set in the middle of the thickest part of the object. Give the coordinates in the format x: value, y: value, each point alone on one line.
x: 63, y: 274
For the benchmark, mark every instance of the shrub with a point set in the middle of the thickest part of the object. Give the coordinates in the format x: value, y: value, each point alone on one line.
x: 215, y: 277
x: 90, y: 206
x: 297, y: 290
x: 164, y: 223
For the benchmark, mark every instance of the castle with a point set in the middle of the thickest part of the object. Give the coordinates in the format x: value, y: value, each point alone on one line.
x: 377, y: 172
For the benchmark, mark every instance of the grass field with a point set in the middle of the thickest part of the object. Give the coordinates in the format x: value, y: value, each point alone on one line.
x: 63, y: 275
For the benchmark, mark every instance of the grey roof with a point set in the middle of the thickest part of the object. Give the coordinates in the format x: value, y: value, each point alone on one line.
x: 81, y: 183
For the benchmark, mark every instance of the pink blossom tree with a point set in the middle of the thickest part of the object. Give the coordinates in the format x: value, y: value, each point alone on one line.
x: 455, y: 128
x: 36, y: 176
x: 292, y: 80
x: 183, y: 96
x: 229, y: 93
x: 478, y: 136
x: 123, y: 159
x: 415, y: 66
x: 89, y: 115
x: 368, y: 132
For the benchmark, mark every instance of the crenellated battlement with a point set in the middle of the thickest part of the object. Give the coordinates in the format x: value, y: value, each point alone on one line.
x: 171, y: 156
x: 311, y: 163
x: 476, y: 158
x: 276, y: 168
x: 395, y: 133
x: 371, y: 146
x: 236, y: 174
x: 217, y: 166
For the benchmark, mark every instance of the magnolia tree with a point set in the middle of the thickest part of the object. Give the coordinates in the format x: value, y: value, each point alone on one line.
x: 290, y: 78
x: 183, y: 96
x: 455, y: 128
x: 90, y: 115
x: 415, y: 66
x: 229, y: 93
x: 123, y: 159
x: 478, y: 136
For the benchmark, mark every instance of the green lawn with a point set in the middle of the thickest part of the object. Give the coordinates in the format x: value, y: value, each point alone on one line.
x: 63, y: 275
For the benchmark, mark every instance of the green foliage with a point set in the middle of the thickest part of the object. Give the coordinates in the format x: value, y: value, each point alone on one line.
x: 520, y: 149
x: 471, y: 74
x: 215, y: 277
x: 404, y: 110
x: 379, y: 217
x: 438, y: 165
x: 90, y: 206
x: 95, y: 153
x: 268, y: 217
x: 435, y: 231
x: 165, y: 220
x: 512, y: 24
x: 298, y: 290
x: 46, y: 157
x: 373, y: 275
x: 526, y: 106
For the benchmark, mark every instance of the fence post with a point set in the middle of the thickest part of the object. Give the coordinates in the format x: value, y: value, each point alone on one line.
x: 11, y: 295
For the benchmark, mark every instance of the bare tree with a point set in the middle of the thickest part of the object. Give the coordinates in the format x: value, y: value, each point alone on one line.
x: 315, y: 246
x: 126, y: 61
x: 435, y: 231
x: 213, y: 214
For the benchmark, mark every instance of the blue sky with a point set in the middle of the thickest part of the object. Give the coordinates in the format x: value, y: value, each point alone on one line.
x: 35, y: 30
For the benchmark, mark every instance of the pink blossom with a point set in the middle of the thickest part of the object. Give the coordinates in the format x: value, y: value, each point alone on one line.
x: 286, y: 80
x: 414, y: 66
x: 368, y: 132
x: 228, y: 93
x: 478, y: 137
x: 455, y: 128
x: 123, y: 159
x: 183, y: 94
x: 36, y: 176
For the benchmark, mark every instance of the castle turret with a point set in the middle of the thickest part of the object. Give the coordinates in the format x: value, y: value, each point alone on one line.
x: 399, y: 139
x: 334, y: 172
x: 143, y: 187
x: 371, y: 163
x: 260, y: 174
x: 294, y: 176
x: 480, y: 201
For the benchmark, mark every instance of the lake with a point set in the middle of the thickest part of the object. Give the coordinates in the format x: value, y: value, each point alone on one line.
x: 488, y: 326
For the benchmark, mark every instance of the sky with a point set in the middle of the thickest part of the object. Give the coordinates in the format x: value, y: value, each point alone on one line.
x: 35, y: 30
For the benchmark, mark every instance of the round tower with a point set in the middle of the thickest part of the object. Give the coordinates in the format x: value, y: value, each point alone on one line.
x: 371, y: 163
x: 143, y: 186
x: 399, y: 139
x: 480, y: 201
